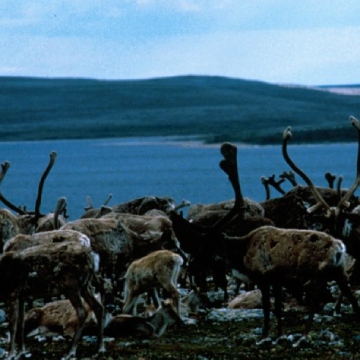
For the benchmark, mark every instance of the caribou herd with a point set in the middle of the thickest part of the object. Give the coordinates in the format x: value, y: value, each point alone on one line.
x: 92, y: 272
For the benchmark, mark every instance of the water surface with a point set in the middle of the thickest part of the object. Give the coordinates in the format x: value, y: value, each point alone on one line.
x: 131, y: 168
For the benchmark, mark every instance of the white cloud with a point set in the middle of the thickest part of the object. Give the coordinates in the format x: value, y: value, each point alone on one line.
x: 276, y: 41
x: 276, y: 56
x: 303, y: 57
x: 10, y: 71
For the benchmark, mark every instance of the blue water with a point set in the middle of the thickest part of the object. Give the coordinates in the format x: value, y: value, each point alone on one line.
x: 131, y: 168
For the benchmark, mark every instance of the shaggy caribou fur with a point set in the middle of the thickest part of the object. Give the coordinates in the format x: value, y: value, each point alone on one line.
x: 153, y: 326
x: 159, y: 268
x: 59, y: 318
x: 275, y: 258
x: 27, y: 222
x: 65, y: 268
x: 21, y: 241
x: 109, y: 238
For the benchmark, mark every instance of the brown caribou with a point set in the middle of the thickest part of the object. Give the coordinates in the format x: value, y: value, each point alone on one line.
x: 28, y: 222
x: 65, y: 268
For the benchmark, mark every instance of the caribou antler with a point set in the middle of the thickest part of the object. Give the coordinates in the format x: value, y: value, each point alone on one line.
x: 203, y: 243
x: 108, y: 199
x: 229, y: 166
x: 184, y: 203
x: 344, y: 202
x: 89, y: 202
x: 265, y: 182
x: 90, y: 205
x: 60, y: 207
x: 338, y: 186
x: 330, y: 179
x: 320, y: 202
x: 275, y: 184
x: 289, y: 176
x: 4, y: 168
x: 53, y: 155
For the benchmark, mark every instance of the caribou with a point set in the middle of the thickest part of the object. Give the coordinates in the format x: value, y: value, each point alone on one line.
x: 274, y: 258
x: 202, y: 241
x: 28, y: 222
x: 139, y: 206
x: 65, y: 268
x: 120, y: 239
x: 158, y: 269
x: 154, y: 326
x: 337, y: 214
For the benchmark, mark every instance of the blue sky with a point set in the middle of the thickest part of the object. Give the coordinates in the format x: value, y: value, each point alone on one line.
x: 307, y: 42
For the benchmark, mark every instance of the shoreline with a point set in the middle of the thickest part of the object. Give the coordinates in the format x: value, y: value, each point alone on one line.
x: 190, y: 141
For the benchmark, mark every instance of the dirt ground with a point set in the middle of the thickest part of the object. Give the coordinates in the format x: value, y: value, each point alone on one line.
x: 331, y: 338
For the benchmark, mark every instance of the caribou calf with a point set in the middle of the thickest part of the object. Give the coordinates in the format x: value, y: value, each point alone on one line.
x: 59, y: 318
x: 56, y: 318
x: 158, y: 269
x: 153, y: 326
x: 65, y: 268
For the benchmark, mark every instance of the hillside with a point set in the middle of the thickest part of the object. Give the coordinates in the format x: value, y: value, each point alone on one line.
x: 214, y: 108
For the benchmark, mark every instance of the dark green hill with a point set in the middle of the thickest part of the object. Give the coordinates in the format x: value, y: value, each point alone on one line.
x: 214, y: 108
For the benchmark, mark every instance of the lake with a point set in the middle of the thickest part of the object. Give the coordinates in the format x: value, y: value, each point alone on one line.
x: 137, y: 167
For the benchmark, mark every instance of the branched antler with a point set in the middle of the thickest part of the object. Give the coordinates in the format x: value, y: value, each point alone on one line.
x: 265, y: 182
x: 320, y: 202
x: 90, y: 205
x: 184, y: 203
x: 53, y: 155
x: 289, y: 176
x: 4, y: 168
x: 338, y: 186
x: 344, y: 202
x: 276, y: 184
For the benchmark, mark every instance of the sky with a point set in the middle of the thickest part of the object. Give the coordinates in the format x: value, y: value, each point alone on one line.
x: 307, y: 42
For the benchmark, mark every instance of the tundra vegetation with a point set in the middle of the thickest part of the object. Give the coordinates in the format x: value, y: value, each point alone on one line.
x: 215, y: 109
x: 205, y: 285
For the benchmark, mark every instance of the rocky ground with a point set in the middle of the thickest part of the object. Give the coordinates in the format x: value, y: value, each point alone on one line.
x: 222, y: 333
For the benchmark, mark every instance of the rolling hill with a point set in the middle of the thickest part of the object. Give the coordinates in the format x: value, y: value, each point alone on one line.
x: 214, y: 109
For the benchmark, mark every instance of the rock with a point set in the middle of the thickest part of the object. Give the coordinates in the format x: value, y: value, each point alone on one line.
x: 224, y: 314
x: 247, y: 300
